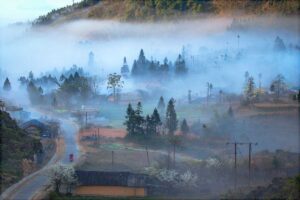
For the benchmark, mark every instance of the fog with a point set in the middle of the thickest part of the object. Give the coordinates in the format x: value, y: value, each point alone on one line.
x: 215, y: 50
x: 206, y: 41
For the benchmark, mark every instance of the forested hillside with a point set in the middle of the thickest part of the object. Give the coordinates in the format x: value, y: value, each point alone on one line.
x: 152, y: 10
x: 15, y: 146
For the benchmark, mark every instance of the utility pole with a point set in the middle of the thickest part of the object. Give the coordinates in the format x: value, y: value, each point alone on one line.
x: 112, y: 158
x: 85, y: 119
x: 235, y: 160
x: 249, y: 164
x: 98, y: 136
x: 259, y: 77
x: 148, y: 160
x: 238, y: 36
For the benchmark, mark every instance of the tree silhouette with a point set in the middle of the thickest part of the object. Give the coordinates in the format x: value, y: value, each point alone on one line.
x: 114, y: 81
x: 184, y: 127
x: 171, y: 117
x: 7, y: 85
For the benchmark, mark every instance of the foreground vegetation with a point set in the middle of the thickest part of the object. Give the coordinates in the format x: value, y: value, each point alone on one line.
x: 280, y: 188
x: 15, y: 147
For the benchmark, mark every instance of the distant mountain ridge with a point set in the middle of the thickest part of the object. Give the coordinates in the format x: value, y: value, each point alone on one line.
x: 153, y: 10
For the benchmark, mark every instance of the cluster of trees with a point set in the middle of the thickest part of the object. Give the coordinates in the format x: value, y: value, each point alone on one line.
x: 75, y: 85
x: 142, y: 66
x: 46, y: 80
x: 173, y: 178
x: 164, y: 9
x: 35, y: 93
x: 138, y: 125
x: 278, y: 85
x: 62, y: 175
x: 251, y: 92
x: 72, y: 84
x: 151, y: 125
x: 55, y: 13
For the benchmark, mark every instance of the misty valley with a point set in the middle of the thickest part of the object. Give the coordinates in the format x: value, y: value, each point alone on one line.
x: 152, y: 100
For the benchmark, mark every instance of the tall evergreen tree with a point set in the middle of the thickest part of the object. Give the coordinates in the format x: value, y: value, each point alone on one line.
x: 278, y: 85
x: 161, y: 105
x: 184, y: 127
x: 139, y: 119
x: 7, y: 85
x: 130, y: 120
x: 164, y: 68
x: 249, y: 89
x: 34, y: 93
x: 190, y: 96
x: 180, y: 67
x: 134, y: 70
x: 142, y: 57
x: 30, y: 76
x: 148, y: 125
x: 155, y: 118
x: 171, y: 117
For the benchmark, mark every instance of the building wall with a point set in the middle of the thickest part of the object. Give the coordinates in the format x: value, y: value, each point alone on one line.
x: 109, y: 191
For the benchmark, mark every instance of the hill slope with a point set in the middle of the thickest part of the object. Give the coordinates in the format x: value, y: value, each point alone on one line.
x: 15, y: 146
x: 145, y: 10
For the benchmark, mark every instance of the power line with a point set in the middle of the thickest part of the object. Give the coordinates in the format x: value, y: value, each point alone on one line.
x: 235, y: 160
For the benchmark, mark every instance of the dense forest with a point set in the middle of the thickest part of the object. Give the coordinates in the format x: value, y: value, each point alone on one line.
x: 151, y: 10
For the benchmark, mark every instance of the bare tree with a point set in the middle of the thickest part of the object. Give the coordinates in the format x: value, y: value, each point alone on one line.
x: 114, y: 82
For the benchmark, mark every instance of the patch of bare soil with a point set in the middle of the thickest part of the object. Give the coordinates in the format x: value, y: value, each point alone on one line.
x: 103, y: 132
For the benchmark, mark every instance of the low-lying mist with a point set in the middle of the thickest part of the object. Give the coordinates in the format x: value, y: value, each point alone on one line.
x: 215, y: 51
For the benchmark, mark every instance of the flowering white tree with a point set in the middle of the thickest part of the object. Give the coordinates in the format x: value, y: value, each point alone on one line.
x: 187, y: 179
x: 173, y: 178
x: 61, y: 174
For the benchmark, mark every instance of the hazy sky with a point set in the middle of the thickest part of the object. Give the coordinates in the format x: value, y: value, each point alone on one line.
x: 23, y: 10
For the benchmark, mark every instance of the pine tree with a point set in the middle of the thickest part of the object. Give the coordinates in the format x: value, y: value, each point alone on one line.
x: 278, y: 85
x: 139, y: 119
x: 40, y: 89
x: 134, y: 70
x: 34, y: 93
x: 180, y: 67
x: 142, y: 57
x: 7, y: 85
x: 155, y: 118
x: 161, y: 105
x: 171, y: 117
x: 130, y: 120
x: 249, y: 90
x: 153, y: 67
x: 184, y: 127
x: 190, y: 96
x: 164, y: 68
x: 148, y: 125
x: 30, y: 76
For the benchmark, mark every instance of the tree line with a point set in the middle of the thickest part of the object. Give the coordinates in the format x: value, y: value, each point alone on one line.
x: 151, y: 125
x: 142, y: 66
